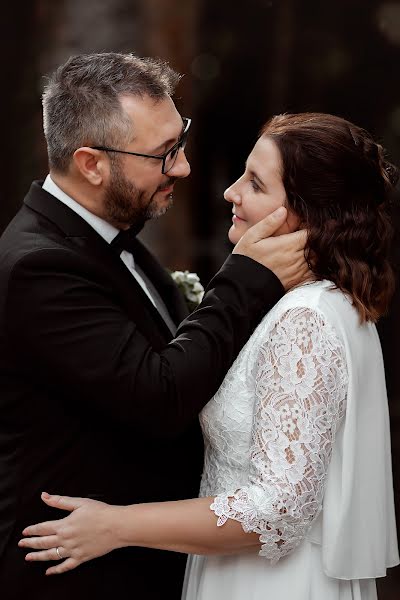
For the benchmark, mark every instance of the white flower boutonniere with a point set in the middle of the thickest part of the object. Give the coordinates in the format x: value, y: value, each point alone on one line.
x: 190, y: 286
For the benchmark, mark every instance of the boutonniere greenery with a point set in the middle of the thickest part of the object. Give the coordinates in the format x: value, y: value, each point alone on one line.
x: 190, y: 286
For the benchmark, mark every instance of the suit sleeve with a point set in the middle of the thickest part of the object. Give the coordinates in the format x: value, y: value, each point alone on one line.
x: 65, y: 329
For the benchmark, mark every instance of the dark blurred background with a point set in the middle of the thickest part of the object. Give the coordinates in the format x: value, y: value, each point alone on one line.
x: 242, y: 62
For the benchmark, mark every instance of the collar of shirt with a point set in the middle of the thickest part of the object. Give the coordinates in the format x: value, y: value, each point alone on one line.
x: 107, y: 231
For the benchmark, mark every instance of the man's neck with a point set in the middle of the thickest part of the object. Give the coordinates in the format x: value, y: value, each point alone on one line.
x: 81, y: 193
x: 84, y: 194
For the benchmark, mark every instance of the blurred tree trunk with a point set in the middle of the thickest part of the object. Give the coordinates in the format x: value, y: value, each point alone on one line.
x: 277, y: 84
x: 20, y: 103
x: 169, y: 26
x: 75, y: 27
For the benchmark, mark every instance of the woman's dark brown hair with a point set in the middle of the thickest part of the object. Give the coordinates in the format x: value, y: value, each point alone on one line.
x: 339, y: 184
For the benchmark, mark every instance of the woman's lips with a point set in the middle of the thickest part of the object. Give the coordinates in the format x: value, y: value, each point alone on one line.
x: 236, y: 218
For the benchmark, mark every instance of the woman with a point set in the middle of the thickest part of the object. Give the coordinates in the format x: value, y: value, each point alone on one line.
x: 296, y: 498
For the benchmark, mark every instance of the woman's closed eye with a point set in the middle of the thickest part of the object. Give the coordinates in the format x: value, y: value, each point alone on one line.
x: 255, y: 185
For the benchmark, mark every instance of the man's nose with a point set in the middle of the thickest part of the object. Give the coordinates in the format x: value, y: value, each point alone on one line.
x: 181, y: 167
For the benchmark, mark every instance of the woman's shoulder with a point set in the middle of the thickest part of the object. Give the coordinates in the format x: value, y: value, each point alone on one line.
x: 318, y: 301
x: 314, y: 295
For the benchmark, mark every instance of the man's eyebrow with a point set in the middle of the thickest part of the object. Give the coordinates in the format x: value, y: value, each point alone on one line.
x: 168, y: 143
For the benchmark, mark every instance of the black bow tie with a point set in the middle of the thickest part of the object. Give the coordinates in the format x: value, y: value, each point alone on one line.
x: 125, y: 240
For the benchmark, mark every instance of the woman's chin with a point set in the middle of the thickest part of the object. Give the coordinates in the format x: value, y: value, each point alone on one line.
x: 234, y: 235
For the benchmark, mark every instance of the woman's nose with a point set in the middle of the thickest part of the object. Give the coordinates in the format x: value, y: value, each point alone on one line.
x: 231, y: 194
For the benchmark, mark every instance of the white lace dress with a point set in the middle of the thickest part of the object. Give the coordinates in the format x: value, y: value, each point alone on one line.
x: 269, y: 435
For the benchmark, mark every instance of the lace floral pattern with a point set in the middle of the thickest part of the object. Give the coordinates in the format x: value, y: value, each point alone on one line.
x: 270, y: 428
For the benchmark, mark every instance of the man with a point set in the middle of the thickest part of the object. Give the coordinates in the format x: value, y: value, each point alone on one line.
x: 99, y: 393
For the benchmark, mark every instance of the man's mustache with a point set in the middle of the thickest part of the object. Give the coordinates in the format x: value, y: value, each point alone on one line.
x: 171, y: 181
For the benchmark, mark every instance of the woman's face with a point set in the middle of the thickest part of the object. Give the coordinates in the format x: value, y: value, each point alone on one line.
x: 259, y: 191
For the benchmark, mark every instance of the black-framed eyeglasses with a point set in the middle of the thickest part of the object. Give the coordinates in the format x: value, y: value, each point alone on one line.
x: 170, y: 156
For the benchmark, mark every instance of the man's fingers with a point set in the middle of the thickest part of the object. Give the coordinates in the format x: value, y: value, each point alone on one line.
x: 39, y: 543
x: 298, y: 272
x: 283, y: 254
x: 267, y: 226
x: 292, y: 243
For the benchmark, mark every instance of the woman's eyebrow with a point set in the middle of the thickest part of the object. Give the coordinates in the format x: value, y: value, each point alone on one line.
x: 255, y: 176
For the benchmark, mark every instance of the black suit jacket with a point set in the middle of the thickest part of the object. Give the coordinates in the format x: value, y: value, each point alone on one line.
x: 96, y: 399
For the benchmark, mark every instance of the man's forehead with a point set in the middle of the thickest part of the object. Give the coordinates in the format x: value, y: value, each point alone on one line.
x: 149, y: 112
x: 156, y: 122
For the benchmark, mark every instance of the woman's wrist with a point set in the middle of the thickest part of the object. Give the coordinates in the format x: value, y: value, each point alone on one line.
x: 116, y: 526
x: 122, y: 525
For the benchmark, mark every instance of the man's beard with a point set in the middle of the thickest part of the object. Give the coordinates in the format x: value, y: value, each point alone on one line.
x: 126, y: 204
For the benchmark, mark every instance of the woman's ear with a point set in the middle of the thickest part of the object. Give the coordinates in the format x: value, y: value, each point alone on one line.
x: 293, y: 222
x: 91, y: 164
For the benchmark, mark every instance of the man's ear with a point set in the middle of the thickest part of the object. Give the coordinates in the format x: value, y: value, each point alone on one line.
x: 92, y: 164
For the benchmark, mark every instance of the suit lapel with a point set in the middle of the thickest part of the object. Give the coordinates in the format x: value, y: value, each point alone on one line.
x: 163, y: 281
x: 78, y: 234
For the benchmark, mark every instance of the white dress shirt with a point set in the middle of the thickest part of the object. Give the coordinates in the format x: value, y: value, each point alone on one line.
x: 107, y: 231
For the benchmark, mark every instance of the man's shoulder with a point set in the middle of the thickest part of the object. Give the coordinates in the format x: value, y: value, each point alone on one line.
x: 28, y: 235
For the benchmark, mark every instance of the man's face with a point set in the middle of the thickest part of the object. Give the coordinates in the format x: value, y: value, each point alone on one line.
x: 137, y: 190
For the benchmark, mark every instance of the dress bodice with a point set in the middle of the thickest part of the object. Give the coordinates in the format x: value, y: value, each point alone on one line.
x: 270, y: 428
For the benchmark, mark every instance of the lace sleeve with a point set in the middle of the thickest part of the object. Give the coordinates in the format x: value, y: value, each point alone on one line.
x: 300, y: 387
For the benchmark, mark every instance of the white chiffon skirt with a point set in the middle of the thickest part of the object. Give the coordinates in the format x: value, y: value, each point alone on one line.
x: 298, y: 576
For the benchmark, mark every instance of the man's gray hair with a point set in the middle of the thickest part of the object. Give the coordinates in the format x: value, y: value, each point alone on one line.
x: 81, y: 101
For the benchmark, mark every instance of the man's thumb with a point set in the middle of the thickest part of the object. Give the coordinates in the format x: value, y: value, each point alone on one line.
x: 267, y: 226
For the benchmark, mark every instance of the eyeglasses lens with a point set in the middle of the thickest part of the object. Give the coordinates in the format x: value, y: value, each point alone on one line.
x: 171, y: 157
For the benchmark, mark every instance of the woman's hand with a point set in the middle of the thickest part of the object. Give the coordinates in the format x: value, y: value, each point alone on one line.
x: 94, y: 528
x: 88, y: 532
